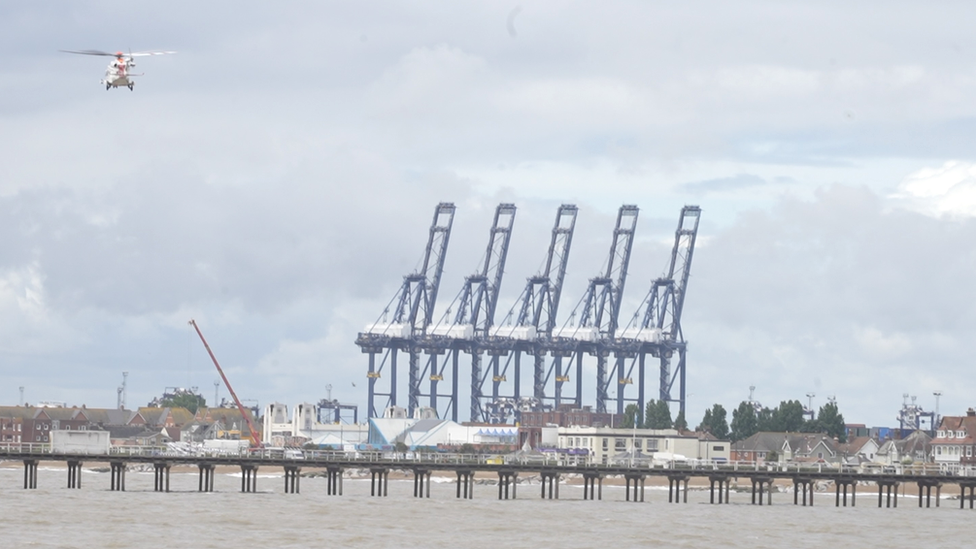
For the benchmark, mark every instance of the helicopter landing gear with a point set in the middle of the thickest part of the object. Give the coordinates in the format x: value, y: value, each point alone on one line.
x: 107, y: 86
x: 131, y: 86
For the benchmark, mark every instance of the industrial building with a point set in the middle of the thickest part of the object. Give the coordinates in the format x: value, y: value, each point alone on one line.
x: 303, y: 426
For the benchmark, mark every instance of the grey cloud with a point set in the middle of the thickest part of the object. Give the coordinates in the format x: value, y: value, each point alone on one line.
x: 723, y: 184
x: 812, y: 288
x: 276, y: 176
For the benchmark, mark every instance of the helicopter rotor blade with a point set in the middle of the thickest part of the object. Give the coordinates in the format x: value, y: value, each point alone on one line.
x: 90, y: 52
x: 145, y: 53
x: 118, y: 54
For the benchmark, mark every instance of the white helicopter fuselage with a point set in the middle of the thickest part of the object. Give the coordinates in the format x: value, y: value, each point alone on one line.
x: 118, y: 75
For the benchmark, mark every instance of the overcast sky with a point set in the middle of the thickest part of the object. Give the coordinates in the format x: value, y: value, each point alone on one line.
x: 275, y: 179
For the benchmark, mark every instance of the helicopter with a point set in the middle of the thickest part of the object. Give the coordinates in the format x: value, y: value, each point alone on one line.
x: 117, y: 74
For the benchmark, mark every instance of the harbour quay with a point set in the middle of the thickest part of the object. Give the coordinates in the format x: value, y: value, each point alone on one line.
x: 880, y: 485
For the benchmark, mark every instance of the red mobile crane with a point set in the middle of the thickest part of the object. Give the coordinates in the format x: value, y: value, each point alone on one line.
x: 255, y: 434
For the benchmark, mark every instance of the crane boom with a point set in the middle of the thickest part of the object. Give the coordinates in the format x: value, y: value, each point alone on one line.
x: 255, y: 436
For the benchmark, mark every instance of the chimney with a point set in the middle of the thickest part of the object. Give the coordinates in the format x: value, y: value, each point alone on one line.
x: 970, y: 412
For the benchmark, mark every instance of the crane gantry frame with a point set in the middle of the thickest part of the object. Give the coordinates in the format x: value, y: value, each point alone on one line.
x: 655, y: 330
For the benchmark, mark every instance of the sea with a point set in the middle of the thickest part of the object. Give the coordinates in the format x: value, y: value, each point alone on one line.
x: 93, y: 517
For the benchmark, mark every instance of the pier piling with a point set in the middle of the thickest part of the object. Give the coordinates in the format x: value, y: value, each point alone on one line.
x: 30, y: 474
x: 293, y: 479
x: 74, y: 474
x: 117, y: 470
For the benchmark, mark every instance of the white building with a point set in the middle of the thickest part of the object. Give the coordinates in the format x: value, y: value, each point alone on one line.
x: 604, y: 443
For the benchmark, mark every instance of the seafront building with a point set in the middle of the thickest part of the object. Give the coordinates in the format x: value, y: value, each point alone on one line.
x: 607, y: 444
x: 915, y: 448
x: 955, y: 440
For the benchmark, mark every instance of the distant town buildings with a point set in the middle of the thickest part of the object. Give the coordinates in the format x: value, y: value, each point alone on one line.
x: 567, y: 432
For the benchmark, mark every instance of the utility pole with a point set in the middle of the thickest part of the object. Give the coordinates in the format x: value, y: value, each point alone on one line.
x: 120, y: 401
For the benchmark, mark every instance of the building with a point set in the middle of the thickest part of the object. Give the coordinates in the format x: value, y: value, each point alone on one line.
x: 604, y: 444
x: 303, y: 427
x: 35, y: 424
x: 955, y: 439
x: 858, y: 450
x: 532, y: 423
x: 915, y: 448
x: 12, y: 423
x: 166, y: 417
x: 794, y: 447
x: 441, y: 434
x: 232, y: 425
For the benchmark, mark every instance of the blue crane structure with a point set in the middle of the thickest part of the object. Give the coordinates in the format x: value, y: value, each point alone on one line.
x: 470, y: 325
x: 535, y: 318
x: 412, y: 315
x: 592, y: 331
x: 596, y: 317
x: 655, y: 329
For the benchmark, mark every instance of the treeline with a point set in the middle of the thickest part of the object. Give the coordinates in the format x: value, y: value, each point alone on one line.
x: 746, y: 420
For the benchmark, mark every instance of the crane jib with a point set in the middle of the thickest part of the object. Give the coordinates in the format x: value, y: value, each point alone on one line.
x: 255, y: 435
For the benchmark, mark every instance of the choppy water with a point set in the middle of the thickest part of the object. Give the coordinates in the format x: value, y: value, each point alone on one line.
x: 93, y: 517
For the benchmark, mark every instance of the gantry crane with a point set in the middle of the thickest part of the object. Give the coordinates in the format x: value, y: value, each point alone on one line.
x: 255, y: 434
x: 535, y: 320
x: 657, y: 332
x: 598, y: 317
x: 412, y: 315
x: 592, y: 330
x: 472, y: 320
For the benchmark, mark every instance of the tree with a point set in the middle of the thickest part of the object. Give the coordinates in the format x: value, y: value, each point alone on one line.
x: 632, y: 417
x: 680, y: 423
x: 788, y: 417
x: 764, y: 419
x: 706, y: 422
x: 186, y: 400
x: 401, y: 448
x: 658, y: 415
x: 715, y: 422
x: 793, y: 418
x: 650, y: 414
x: 831, y: 421
x: 744, y: 421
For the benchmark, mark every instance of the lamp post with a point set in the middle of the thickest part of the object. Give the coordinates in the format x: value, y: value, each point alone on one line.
x: 936, y: 422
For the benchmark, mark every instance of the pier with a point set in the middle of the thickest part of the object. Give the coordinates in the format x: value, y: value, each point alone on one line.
x: 929, y: 481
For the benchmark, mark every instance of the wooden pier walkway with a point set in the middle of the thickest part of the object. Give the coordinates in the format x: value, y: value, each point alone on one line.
x: 845, y: 480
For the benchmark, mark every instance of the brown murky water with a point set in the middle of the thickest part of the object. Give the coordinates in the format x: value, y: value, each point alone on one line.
x: 93, y: 517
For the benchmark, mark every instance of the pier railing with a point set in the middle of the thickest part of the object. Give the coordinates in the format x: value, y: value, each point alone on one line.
x: 314, y: 458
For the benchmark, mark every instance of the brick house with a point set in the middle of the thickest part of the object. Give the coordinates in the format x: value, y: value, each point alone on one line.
x: 37, y: 428
x: 955, y: 439
x: 12, y: 423
x: 531, y: 423
x: 229, y: 421
x: 33, y: 425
